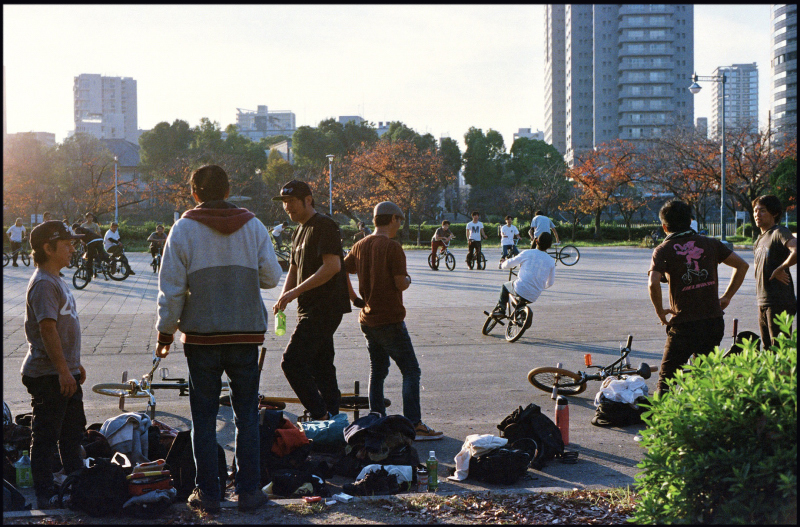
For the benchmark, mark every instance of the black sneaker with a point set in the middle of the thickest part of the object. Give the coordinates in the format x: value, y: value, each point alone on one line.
x: 377, y: 482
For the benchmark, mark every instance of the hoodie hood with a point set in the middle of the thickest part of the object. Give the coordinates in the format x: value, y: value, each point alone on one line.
x: 223, y: 220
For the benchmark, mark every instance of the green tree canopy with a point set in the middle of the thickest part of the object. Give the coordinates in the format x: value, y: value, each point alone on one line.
x: 485, y: 157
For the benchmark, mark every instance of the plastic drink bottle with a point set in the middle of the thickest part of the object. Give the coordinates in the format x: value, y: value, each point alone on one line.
x: 433, y: 467
x: 280, y: 323
x: 24, y: 474
x: 562, y: 417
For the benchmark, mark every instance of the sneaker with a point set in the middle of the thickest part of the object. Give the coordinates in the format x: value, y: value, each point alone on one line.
x: 377, y: 482
x: 251, y: 500
x: 198, y: 500
x: 426, y: 433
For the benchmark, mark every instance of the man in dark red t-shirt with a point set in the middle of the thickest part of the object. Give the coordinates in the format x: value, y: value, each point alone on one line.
x: 380, y: 264
x: 689, y: 262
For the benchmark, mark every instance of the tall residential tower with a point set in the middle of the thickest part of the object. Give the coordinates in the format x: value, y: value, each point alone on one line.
x: 741, y: 99
x: 784, y: 68
x: 106, y: 107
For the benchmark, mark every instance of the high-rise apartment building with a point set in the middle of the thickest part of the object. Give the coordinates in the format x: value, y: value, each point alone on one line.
x: 106, y: 107
x: 701, y: 126
x: 741, y: 98
x: 626, y: 69
x: 784, y: 68
x: 264, y: 123
x: 554, y: 85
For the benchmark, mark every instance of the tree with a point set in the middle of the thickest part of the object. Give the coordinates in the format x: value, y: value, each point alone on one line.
x: 784, y: 182
x: 484, y: 158
x: 601, y: 173
x: 537, y: 174
x: 400, y: 132
x: 161, y: 146
x: 311, y: 146
x: 27, y: 176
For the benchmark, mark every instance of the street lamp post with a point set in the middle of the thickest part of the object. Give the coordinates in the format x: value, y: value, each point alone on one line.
x: 116, y: 203
x: 695, y: 89
x: 330, y: 184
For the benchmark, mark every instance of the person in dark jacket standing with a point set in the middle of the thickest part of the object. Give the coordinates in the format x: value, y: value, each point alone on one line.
x: 317, y: 279
x: 216, y: 260
x: 775, y: 252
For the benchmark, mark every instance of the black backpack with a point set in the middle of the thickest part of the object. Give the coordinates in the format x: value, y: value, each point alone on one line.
x: 532, y: 423
x: 99, y: 490
x: 613, y: 413
x: 502, y: 466
x: 183, y: 471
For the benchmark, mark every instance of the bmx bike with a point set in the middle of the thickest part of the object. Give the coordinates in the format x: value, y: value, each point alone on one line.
x: 566, y: 382
x: 517, y: 312
x: 114, y: 269
x: 477, y: 258
x: 444, y: 252
x: 567, y: 255
x: 22, y: 252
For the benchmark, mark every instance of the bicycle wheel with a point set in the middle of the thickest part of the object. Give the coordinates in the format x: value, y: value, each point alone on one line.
x: 26, y: 258
x: 81, y: 278
x: 433, y: 261
x: 545, y: 378
x: 118, y: 270
x: 481, y: 261
x: 569, y: 255
x: 6, y: 259
x: 519, y: 324
x: 450, y: 261
x: 489, y: 325
x: 119, y: 389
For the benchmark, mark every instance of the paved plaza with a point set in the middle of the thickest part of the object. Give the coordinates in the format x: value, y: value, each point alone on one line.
x: 470, y: 382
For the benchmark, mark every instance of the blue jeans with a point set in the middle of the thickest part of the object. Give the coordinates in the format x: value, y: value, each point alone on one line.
x: 510, y: 251
x: 206, y: 365
x: 392, y: 341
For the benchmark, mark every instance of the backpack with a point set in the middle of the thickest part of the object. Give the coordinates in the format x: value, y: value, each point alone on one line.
x: 182, y: 468
x: 98, y: 490
x: 613, y: 413
x: 502, y: 466
x: 532, y: 423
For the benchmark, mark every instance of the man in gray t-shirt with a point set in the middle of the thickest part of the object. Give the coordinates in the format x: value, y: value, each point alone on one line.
x: 51, y: 369
x: 539, y: 224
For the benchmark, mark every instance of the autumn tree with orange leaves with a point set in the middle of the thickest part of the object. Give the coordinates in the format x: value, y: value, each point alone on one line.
x: 391, y: 171
x: 604, y: 175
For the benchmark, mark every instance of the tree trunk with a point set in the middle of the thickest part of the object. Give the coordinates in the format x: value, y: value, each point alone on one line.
x: 597, y: 215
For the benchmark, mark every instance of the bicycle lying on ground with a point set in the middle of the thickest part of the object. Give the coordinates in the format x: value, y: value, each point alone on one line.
x: 517, y: 312
x: 566, y: 382
x: 567, y: 255
x: 444, y: 252
x: 114, y: 269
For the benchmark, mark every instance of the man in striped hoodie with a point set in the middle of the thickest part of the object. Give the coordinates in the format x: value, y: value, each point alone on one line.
x: 216, y: 259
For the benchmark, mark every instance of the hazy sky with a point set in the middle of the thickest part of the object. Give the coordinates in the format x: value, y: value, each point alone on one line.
x: 437, y: 68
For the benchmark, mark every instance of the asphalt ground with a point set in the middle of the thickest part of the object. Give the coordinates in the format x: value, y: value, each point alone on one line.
x: 470, y: 382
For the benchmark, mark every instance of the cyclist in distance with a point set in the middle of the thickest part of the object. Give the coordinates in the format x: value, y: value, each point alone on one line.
x: 94, y: 246
x: 277, y: 232
x: 475, y: 235
x: 157, y: 240
x: 91, y: 223
x: 509, y: 235
x: 537, y: 272
x: 16, y: 233
x: 113, y: 245
x: 539, y: 224
x: 442, y: 235
x: 363, y: 231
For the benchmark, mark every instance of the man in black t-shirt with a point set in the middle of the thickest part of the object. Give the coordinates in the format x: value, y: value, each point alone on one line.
x: 318, y: 280
x: 775, y: 252
x: 689, y: 262
x: 94, y: 246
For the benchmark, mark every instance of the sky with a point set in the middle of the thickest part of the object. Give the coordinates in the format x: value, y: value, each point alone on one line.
x: 440, y: 69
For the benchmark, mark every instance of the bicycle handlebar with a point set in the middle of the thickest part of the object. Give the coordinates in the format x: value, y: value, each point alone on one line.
x: 630, y: 341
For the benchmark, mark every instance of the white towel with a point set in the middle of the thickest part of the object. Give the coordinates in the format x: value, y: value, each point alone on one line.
x: 474, y: 445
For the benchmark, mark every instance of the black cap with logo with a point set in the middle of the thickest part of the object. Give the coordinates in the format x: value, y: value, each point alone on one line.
x: 293, y: 189
x: 49, y: 231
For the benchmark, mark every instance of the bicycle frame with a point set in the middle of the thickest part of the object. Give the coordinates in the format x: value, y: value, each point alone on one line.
x: 615, y: 369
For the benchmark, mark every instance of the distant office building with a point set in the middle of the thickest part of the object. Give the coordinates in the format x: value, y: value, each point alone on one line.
x: 261, y: 123
x: 741, y: 98
x: 784, y: 68
x: 46, y: 138
x: 284, y: 148
x: 702, y: 126
x: 383, y: 127
x: 106, y: 107
x: 526, y: 132
x: 626, y: 68
x: 344, y: 119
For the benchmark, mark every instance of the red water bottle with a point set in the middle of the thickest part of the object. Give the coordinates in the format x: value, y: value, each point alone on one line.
x: 562, y: 417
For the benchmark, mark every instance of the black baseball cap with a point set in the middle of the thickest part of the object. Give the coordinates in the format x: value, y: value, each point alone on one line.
x: 295, y: 189
x: 49, y: 231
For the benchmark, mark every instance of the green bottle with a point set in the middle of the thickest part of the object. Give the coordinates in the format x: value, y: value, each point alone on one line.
x: 280, y: 323
x: 24, y: 475
x: 433, y: 475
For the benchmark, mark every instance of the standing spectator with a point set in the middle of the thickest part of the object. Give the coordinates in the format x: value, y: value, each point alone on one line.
x: 94, y: 246
x: 317, y: 279
x: 16, y: 234
x: 363, y: 231
x: 509, y: 235
x: 157, y: 240
x: 440, y: 236
x: 91, y: 224
x: 693, y: 224
x: 113, y: 245
x: 539, y: 224
x: 689, y: 262
x: 775, y: 252
x: 52, y: 370
x: 475, y: 234
x: 380, y: 263
x: 216, y: 260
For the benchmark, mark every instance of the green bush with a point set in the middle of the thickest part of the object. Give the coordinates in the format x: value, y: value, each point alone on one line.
x: 722, y: 444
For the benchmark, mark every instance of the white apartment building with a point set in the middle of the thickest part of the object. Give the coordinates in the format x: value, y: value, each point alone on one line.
x: 526, y: 133
x: 702, y: 126
x: 261, y: 123
x: 106, y: 107
x: 741, y: 98
x: 626, y: 69
x: 784, y: 68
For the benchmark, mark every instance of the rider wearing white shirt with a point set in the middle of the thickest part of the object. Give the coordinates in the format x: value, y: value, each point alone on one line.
x: 537, y: 272
x: 509, y: 234
x: 475, y: 234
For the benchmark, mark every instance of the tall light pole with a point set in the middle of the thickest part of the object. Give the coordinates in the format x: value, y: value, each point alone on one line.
x: 116, y: 203
x: 695, y: 89
x: 330, y: 184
